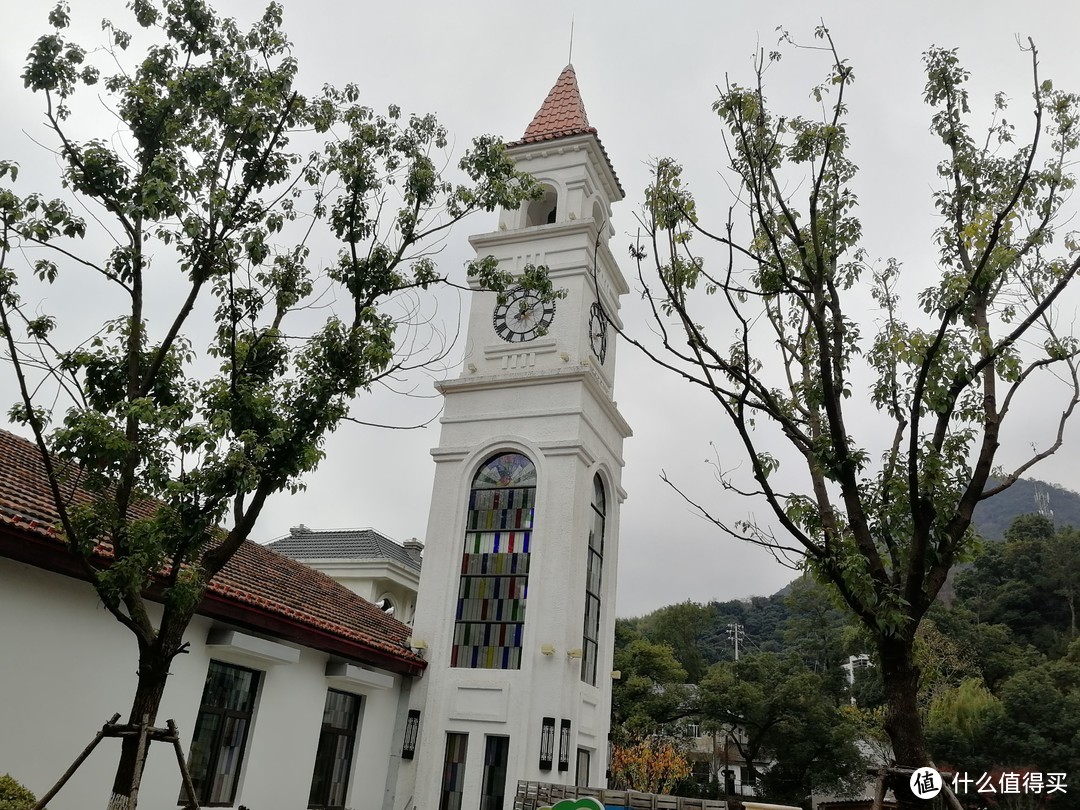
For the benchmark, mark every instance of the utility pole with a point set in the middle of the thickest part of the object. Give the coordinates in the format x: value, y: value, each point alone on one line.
x: 736, y: 633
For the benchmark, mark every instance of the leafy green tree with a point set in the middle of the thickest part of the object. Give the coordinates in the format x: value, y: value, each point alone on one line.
x: 943, y: 662
x: 681, y: 627
x: 993, y: 648
x: 1028, y: 583
x: 651, y: 691
x: 962, y: 724
x: 1042, y: 715
x: 202, y: 196
x: 765, y: 318
x: 1063, y: 574
x: 13, y: 795
x: 816, y: 629
x: 777, y: 711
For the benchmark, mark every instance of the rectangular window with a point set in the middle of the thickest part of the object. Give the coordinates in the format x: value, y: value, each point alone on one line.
x: 564, y: 746
x: 584, y: 762
x: 333, y: 758
x: 547, y: 743
x: 494, y: 787
x: 453, y: 782
x: 221, y: 731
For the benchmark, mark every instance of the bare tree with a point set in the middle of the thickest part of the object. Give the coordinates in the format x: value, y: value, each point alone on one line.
x: 769, y: 318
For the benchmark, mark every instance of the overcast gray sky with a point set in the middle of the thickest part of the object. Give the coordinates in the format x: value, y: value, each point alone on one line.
x: 648, y: 78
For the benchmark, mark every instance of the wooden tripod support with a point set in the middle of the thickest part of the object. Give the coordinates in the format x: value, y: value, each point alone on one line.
x: 146, y: 734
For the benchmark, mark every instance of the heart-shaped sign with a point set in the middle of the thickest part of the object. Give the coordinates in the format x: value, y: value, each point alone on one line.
x: 584, y: 803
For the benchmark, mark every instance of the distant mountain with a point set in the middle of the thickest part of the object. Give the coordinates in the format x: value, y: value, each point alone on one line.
x: 993, y: 516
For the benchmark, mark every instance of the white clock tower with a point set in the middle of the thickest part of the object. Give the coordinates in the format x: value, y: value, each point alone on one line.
x: 516, y: 605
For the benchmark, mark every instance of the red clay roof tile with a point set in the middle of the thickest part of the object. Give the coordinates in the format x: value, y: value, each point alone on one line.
x: 562, y: 113
x: 255, y: 577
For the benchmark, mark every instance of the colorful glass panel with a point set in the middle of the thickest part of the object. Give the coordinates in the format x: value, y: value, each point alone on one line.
x: 493, y: 786
x: 506, y: 470
x: 453, y: 782
x: 494, y: 582
x: 333, y: 757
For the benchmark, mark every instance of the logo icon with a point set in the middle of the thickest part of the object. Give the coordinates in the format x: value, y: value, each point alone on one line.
x: 926, y: 783
x: 584, y: 803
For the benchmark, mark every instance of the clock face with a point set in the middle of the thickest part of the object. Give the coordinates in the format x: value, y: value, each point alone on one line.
x: 598, y: 332
x: 523, y: 316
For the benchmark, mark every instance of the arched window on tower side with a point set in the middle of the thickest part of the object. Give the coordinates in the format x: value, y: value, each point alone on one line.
x: 544, y: 210
x: 490, y: 617
x: 594, y: 568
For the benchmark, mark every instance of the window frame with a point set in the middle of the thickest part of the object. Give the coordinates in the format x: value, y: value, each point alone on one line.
x: 582, y: 779
x: 204, y: 782
x: 494, y: 746
x: 594, y: 580
x: 452, y: 790
x: 490, y: 609
x: 337, y: 732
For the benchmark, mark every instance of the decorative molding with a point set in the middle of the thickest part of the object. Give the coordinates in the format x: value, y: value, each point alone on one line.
x: 233, y: 646
x: 568, y: 448
x: 444, y: 454
x: 485, y: 704
x: 571, y: 373
x: 349, y: 678
x: 575, y: 143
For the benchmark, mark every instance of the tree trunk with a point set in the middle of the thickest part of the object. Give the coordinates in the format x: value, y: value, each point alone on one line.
x: 902, y: 722
x: 154, y: 661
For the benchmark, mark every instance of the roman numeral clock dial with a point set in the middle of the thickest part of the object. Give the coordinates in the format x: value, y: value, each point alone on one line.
x: 598, y: 332
x: 523, y: 316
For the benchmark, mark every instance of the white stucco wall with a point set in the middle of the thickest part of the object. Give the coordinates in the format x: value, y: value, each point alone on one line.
x: 66, y: 666
x: 550, y: 399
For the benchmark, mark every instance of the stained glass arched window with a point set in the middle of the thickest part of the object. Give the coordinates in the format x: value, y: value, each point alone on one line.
x: 594, y: 568
x: 494, y: 581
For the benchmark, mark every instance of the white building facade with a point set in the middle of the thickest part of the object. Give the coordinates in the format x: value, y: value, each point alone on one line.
x: 517, y: 591
x: 291, y: 694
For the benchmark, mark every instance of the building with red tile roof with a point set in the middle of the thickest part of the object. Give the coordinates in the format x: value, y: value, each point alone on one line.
x: 258, y: 589
x: 67, y: 665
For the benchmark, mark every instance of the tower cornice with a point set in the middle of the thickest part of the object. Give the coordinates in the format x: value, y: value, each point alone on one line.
x: 582, y: 372
x: 487, y: 242
x: 523, y: 151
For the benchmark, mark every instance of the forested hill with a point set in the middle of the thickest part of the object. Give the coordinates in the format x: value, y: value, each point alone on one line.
x: 999, y: 684
x: 701, y: 634
x: 993, y: 516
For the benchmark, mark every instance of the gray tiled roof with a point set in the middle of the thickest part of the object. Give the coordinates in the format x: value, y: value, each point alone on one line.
x: 303, y: 543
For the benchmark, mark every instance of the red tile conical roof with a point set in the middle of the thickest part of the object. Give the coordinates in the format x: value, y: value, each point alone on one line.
x: 562, y: 113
